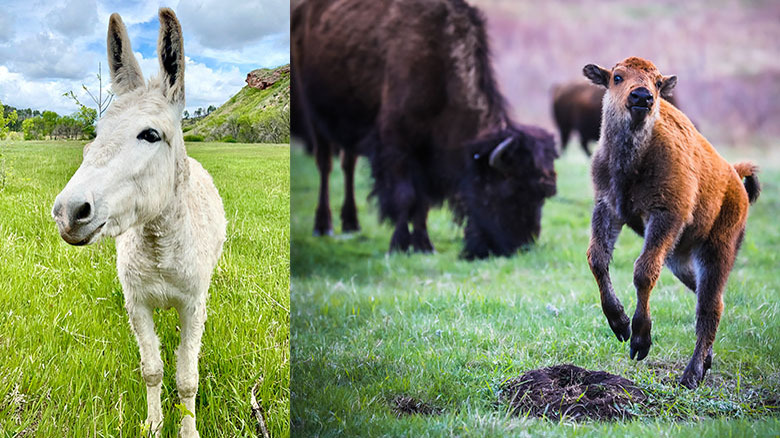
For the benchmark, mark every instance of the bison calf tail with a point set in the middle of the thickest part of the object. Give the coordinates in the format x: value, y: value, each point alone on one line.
x: 749, y: 171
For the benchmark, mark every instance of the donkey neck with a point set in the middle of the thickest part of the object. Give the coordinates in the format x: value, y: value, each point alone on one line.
x: 172, y: 226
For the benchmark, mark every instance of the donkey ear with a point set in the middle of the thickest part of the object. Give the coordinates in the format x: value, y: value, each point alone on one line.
x: 170, y: 47
x: 125, y: 72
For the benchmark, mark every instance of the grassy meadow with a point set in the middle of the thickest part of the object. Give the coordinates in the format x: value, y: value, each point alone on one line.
x: 367, y: 327
x: 69, y: 363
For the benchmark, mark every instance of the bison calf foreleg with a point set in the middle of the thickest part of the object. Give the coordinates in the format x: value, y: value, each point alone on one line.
x: 605, y: 228
x: 660, y: 234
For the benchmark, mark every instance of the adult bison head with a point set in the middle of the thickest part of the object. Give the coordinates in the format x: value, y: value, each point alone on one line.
x: 509, y: 175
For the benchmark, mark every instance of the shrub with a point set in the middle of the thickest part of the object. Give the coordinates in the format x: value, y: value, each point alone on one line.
x: 193, y: 137
x: 228, y: 139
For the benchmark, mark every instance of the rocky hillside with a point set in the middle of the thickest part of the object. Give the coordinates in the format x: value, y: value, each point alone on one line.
x: 259, y: 113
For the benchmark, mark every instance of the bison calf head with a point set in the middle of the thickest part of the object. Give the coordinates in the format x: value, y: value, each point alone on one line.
x: 634, y: 87
x: 508, y: 178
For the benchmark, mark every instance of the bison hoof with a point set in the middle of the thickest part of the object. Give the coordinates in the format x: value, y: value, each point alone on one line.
x: 325, y: 232
x: 639, y: 347
x: 690, y: 380
x: 621, y: 328
x: 347, y: 227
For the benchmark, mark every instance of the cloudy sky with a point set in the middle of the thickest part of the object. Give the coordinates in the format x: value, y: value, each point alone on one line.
x: 48, y: 48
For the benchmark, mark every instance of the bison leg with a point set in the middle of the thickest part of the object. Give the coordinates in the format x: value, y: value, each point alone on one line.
x: 605, y: 228
x: 565, y: 132
x: 349, y: 217
x: 322, y: 221
x: 584, y: 143
x: 681, y: 266
x: 420, y: 240
x: 660, y: 235
x: 714, y: 262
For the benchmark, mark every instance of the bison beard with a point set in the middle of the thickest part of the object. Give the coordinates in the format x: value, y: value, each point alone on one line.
x: 409, y: 85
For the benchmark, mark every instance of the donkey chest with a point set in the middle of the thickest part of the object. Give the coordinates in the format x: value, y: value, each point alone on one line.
x: 162, y: 278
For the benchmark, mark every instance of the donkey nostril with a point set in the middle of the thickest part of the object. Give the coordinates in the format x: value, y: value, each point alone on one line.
x: 83, y: 212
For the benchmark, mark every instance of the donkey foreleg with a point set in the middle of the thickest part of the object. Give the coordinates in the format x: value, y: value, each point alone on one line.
x: 661, y: 233
x: 192, y: 321
x: 605, y: 228
x: 151, y: 364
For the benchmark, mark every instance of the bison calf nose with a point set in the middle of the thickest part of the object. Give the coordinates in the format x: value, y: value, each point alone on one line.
x: 640, y: 97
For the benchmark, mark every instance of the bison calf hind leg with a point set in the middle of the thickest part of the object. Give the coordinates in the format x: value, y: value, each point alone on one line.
x: 715, y: 262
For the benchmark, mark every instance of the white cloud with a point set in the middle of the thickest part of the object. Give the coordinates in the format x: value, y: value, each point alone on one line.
x: 6, y: 28
x: 76, y: 18
x: 220, y: 26
x: 48, y: 48
x: 45, y: 55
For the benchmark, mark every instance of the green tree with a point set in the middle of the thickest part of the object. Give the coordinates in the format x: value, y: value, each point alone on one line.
x: 86, y: 118
x: 6, y: 121
x: 186, y: 114
x: 210, y: 109
x: 49, y: 122
x: 33, y: 128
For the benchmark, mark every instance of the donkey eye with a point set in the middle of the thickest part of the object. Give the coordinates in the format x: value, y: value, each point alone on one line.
x: 149, y: 135
x: 617, y: 79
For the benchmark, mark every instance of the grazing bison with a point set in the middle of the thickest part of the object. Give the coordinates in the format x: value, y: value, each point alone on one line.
x: 408, y: 84
x: 577, y: 107
x: 657, y: 174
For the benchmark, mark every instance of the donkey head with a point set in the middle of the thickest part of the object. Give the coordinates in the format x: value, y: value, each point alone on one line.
x: 134, y: 166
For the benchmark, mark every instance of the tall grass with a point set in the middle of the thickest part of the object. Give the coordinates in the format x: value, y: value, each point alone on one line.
x: 69, y: 364
x: 367, y: 327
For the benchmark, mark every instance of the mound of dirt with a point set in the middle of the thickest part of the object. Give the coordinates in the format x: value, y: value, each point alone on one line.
x: 403, y: 405
x: 571, y: 392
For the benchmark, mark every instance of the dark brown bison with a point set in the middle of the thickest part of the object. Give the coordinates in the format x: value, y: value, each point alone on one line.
x: 655, y: 173
x: 577, y: 107
x: 408, y: 84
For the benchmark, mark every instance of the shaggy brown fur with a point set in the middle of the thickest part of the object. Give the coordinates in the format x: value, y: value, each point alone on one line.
x: 577, y: 108
x: 657, y: 174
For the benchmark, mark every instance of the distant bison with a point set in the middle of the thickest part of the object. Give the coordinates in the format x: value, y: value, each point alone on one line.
x: 408, y: 83
x: 577, y: 107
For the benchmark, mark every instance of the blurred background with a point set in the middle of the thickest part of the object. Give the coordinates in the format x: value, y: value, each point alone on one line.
x: 726, y: 55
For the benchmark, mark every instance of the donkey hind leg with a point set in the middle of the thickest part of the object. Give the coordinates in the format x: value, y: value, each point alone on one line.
x: 151, y: 364
x: 714, y: 263
x: 192, y: 322
x: 605, y: 228
x: 323, y: 225
x: 349, y: 216
x: 421, y: 242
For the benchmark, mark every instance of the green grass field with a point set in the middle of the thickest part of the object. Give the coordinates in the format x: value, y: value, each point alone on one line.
x: 69, y: 364
x: 367, y: 327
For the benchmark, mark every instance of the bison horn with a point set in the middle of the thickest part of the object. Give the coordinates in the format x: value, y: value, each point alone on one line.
x: 495, y: 156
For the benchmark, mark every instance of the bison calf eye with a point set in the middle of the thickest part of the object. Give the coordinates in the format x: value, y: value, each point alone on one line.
x: 617, y: 79
x: 149, y: 135
x: 658, y: 84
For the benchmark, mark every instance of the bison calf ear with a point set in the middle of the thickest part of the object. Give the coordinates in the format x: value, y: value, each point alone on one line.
x: 667, y: 85
x: 596, y: 74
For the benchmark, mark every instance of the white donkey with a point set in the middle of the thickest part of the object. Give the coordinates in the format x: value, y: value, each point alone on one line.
x: 137, y: 183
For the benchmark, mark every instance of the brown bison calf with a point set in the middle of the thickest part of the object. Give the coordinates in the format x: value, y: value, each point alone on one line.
x: 577, y: 108
x: 657, y: 174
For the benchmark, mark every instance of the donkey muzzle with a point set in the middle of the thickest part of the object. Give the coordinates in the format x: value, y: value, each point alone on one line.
x: 75, y: 217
